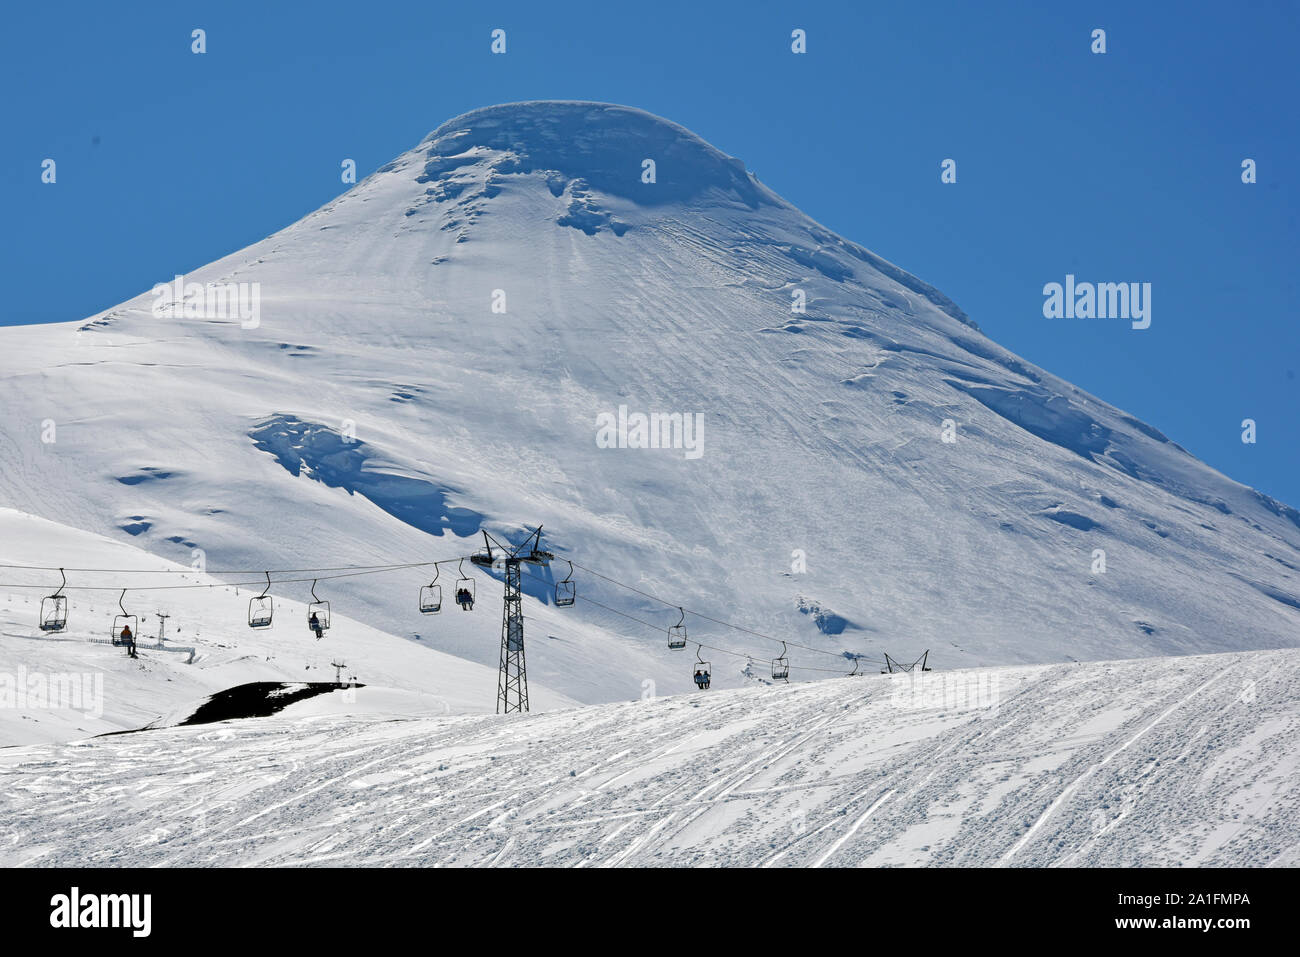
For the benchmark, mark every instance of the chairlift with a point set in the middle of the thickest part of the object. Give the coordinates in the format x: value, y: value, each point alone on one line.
x: 703, y: 670
x: 318, y: 614
x: 485, y: 558
x: 124, y: 625
x: 781, y: 666
x: 464, y: 589
x: 677, y: 632
x: 431, y: 595
x: 566, y: 592
x: 54, y: 609
x: 260, y: 608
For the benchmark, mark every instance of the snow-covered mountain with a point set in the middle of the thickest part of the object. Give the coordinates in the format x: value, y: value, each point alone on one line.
x: 440, y: 347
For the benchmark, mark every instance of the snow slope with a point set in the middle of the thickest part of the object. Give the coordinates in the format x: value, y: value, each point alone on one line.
x: 822, y: 431
x: 1171, y: 761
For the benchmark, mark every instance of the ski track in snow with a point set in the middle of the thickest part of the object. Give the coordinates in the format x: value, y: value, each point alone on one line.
x: 1133, y: 763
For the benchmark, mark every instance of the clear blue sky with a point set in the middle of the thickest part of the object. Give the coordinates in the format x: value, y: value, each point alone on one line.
x: 1123, y: 166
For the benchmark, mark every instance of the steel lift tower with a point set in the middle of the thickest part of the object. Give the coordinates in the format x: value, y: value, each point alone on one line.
x: 512, y: 683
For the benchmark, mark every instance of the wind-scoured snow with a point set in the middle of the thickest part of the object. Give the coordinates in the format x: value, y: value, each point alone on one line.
x: 821, y: 430
x: 1157, y: 762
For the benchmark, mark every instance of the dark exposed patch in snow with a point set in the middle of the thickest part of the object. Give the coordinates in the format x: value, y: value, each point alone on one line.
x: 258, y: 699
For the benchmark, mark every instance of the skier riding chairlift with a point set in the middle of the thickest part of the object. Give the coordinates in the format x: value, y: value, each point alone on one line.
x: 465, y: 599
x: 702, y: 680
x: 314, y: 623
x: 128, y: 639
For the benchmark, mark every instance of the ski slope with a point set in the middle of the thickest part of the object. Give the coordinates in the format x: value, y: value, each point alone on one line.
x: 381, y: 411
x: 1155, y: 762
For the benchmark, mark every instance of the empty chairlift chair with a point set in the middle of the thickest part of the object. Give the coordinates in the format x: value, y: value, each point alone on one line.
x: 260, y: 609
x: 318, y: 615
x: 566, y: 593
x: 431, y: 595
x: 781, y: 666
x: 54, y: 609
x: 677, y: 632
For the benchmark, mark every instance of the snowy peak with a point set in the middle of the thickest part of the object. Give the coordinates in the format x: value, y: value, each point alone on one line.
x: 616, y: 150
x: 606, y: 169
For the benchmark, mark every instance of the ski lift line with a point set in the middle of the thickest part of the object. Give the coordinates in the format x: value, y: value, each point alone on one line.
x: 722, y: 651
x: 357, y: 570
x: 716, y: 621
x: 256, y: 582
x: 353, y: 571
x: 231, y: 571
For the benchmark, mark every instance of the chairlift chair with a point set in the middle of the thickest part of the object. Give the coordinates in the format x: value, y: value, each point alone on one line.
x: 464, y: 589
x: 124, y: 621
x: 703, y: 672
x: 430, y: 599
x: 260, y: 610
x: 54, y: 609
x: 431, y: 595
x: 781, y: 666
x: 320, y: 611
x: 566, y: 592
x: 677, y: 632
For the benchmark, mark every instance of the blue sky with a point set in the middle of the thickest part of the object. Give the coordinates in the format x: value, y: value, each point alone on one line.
x: 1116, y: 167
